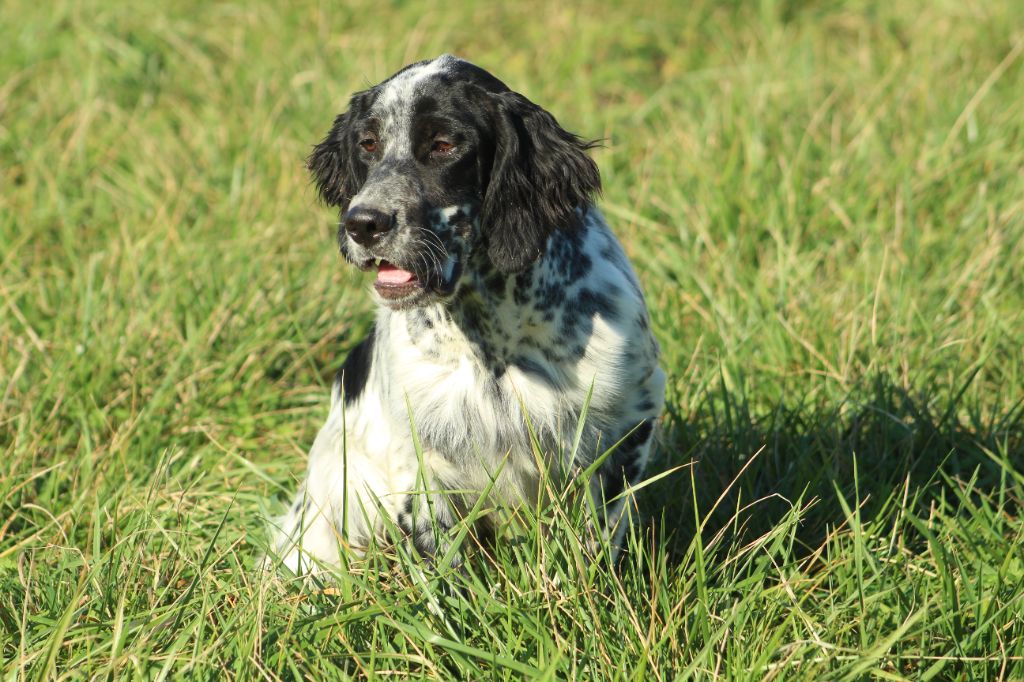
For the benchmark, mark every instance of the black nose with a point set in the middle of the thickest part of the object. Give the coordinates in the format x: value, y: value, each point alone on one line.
x: 366, y: 225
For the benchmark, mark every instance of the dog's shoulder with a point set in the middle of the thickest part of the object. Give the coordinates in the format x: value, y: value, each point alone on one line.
x: 351, y: 380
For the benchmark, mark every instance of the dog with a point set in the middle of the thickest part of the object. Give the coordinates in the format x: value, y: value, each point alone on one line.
x: 506, y: 309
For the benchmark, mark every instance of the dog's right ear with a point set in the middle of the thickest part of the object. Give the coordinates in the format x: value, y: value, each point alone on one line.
x: 335, y: 168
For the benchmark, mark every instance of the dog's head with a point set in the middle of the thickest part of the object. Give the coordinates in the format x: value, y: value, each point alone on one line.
x: 440, y: 162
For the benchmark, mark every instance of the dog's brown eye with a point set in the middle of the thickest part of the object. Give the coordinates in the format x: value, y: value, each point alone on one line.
x: 369, y: 144
x: 441, y: 146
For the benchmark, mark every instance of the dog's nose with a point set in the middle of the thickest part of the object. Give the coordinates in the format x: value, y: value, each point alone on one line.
x: 366, y: 225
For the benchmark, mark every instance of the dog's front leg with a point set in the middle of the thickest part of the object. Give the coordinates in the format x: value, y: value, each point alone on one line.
x: 359, y: 481
x: 426, y: 520
x: 624, y: 467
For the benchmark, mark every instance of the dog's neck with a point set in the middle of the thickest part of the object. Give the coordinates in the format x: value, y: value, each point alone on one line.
x: 483, y: 317
x: 536, y: 317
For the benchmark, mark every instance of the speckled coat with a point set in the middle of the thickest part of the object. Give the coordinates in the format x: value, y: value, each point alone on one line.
x: 514, y: 302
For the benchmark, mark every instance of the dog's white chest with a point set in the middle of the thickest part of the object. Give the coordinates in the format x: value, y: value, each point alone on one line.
x: 460, y: 406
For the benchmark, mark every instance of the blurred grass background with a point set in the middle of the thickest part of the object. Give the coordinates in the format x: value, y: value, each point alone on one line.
x: 824, y: 201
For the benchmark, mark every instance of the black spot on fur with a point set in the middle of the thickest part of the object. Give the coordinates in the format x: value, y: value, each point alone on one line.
x: 524, y: 283
x: 495, y: 283
x: 565, y: 250
x: 550, y: 295
x: 623, y: 465
x: 424, y: 105
x: 645, y: 405
x: 356, y: 370
x: 589, y: 303
x: 577, y: 267
x: 536, y: 369
x: 418, y: 324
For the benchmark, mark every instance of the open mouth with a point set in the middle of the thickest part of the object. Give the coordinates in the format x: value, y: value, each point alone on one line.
x: 394, y: 283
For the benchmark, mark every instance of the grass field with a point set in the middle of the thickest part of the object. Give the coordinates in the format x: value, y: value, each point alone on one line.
x: 824, y: 201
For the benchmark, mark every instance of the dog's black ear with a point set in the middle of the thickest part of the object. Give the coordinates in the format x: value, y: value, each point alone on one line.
x: 540, y: 176
x: 335, y: 168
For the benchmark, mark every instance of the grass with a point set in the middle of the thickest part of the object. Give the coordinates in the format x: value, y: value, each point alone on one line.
x: 824, y: 201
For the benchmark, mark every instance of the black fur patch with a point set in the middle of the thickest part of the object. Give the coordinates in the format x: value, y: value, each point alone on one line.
x: 622, y: 465
x: 590, y: 303
x: 356, y: 370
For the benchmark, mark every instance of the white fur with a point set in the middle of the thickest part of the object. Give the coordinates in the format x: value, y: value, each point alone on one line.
x: 363, y: 462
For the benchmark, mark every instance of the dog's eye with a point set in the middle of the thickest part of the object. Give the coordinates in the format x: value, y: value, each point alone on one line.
x: 369, y: 144
x: 441, y: 146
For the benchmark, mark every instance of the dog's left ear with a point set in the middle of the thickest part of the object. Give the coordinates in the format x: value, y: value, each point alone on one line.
x: 540, y: 176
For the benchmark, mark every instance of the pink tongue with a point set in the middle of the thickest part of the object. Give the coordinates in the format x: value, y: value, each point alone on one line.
x: 389, y: 274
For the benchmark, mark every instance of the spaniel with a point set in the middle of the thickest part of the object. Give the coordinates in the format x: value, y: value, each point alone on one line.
x: 512, y: 345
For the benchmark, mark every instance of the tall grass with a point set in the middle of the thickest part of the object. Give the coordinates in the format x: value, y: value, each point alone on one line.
x: 825, y: 203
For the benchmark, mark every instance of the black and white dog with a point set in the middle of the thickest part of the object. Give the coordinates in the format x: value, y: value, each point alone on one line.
x: 504, y: 300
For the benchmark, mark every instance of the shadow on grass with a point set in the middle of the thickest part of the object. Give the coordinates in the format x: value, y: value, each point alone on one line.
x: 881, y: 443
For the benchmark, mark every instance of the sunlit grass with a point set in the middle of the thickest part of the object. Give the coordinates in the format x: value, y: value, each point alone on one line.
x: 825, y: 204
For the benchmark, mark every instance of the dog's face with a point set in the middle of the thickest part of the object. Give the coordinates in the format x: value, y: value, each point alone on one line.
x: 442, y: 166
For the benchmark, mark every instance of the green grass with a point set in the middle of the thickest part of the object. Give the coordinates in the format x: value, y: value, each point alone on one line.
x: 824, y: 201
